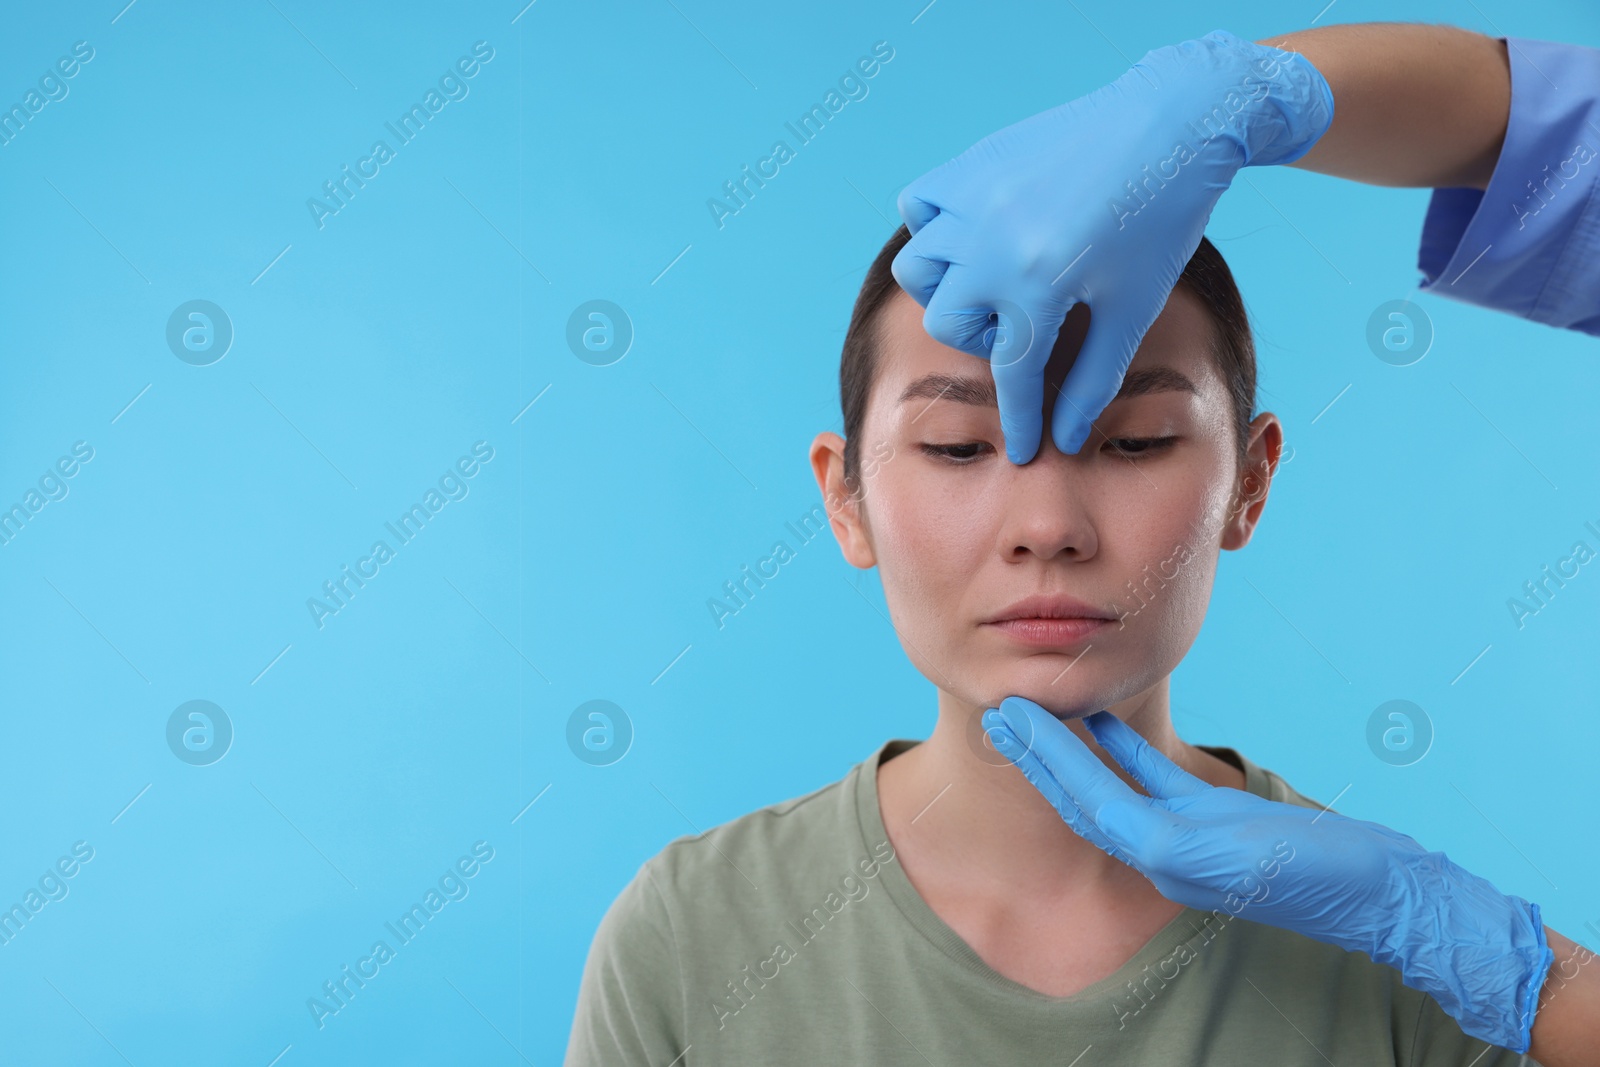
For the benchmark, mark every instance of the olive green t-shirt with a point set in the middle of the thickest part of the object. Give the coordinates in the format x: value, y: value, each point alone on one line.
x: 790, y: 936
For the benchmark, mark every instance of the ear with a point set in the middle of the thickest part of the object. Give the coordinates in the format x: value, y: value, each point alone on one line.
x: 844, y: 507
x: 1250, y: 496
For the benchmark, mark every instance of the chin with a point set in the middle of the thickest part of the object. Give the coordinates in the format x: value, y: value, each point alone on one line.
x: 1063, y: 709
x: 1061, y: 700
x: 1081, y: 692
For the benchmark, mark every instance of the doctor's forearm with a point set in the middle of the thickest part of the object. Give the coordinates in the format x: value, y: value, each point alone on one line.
x: 1413, y: 104
x: 1566, y: 1025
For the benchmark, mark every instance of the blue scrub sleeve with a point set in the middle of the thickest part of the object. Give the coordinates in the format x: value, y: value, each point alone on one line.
x: 1529, y: 244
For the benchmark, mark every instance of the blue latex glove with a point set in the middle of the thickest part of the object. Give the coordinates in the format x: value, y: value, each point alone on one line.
x: 1355, y: 884
x: 1101, y: 200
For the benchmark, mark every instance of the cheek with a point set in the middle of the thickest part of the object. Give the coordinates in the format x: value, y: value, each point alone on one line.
x: 930, y: 517
x: 1170, y: 558
x: 929, y: 538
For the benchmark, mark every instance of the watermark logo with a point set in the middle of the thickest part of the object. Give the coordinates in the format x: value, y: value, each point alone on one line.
x: 199, y: 332
x: 980, y: 740
x: 199, y: 733
x: 1399, y: 732
x: 1399, y: 332
x: 1010, y: 334
x: 599, y: 332
x: 599, y: 732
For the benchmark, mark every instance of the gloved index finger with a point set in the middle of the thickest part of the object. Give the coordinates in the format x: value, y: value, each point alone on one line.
x: 1148, y: 765
x: 1018, y: 355
x: 1084, y: 778
x: 1114, y: 336
x: 1012, y: 747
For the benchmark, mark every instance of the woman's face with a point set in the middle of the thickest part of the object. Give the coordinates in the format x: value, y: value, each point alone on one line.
x: 1130, y: 526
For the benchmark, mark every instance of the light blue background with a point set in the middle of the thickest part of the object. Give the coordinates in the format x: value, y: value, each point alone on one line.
x: 425, y: 316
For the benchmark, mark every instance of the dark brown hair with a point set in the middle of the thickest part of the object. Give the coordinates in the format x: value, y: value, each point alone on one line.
x: 1206, y: 275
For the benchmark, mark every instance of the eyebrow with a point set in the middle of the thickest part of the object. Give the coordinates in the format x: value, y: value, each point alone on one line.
x: 979, y: 391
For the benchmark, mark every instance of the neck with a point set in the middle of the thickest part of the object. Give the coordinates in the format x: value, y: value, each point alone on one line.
x: 966, y: 812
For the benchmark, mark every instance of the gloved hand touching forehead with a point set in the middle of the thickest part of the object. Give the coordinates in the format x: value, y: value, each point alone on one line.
x: 1100, y: 201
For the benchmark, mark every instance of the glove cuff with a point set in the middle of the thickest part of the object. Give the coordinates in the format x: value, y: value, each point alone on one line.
x: 1286, y: 101
x: 1480, y: 953
x: 1540, y: 969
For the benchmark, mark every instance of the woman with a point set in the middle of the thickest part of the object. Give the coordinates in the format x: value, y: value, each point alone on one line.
x: 932, y: 906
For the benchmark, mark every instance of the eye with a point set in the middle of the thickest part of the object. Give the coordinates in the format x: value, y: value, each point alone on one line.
x: 1136, y: 447
x: 957, y: 454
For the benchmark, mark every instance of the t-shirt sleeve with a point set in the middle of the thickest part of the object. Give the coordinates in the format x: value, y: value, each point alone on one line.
x: 1438, y: 1041
x: 630, y: 1002
x: 1529, y: 244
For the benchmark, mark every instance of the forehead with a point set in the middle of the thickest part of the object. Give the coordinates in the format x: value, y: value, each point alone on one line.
x: 1179, y: 339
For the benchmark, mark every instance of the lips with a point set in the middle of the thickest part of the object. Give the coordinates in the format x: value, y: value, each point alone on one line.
x: 1051, y: 621
x: 1051, y: 607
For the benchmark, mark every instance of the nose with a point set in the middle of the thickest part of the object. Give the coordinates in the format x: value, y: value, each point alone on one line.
x: 1046, y: 510
x: 1046, y: 500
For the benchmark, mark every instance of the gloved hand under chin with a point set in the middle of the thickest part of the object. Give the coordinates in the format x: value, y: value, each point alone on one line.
x: 1355, y: 884
x: 1101, y: 200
